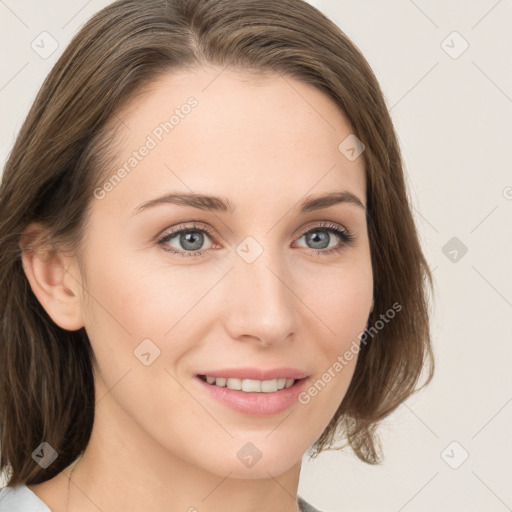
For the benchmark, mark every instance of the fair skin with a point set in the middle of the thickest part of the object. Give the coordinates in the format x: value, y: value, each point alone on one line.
x: 159, y: 440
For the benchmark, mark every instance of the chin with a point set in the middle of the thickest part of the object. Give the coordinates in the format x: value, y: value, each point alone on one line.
x: 258, y: 456
x: 262, y: 469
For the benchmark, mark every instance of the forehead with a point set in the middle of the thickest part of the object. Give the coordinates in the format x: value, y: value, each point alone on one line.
x: 231, y: 132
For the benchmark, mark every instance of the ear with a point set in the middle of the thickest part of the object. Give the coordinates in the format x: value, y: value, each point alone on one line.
x: 54, y: 279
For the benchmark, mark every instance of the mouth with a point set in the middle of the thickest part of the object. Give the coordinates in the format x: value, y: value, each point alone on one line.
x: 253, y: 391
x: 249, y: 385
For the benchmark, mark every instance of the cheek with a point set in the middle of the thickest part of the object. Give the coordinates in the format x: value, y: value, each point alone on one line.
x: 343, y: 309
x: 342, y: 299
x: 138, y: 297
x: 342, y: 304
x: 134, y: 299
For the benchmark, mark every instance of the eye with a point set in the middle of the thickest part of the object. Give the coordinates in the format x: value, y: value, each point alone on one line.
x: 320, y: 238
x: 189, y: 240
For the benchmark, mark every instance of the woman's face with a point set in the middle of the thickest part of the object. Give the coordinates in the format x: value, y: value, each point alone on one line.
x: 259, y: 289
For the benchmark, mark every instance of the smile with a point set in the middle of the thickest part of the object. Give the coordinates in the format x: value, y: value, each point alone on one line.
x: 249, y: 385
x: 251, y: 390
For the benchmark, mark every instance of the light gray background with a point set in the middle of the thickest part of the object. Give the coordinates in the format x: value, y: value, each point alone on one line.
x: 453, y: 117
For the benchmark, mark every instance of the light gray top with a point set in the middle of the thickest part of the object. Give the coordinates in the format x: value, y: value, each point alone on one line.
x: 22, y: 499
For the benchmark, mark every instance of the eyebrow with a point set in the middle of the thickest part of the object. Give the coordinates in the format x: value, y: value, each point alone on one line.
x: 222, y: 204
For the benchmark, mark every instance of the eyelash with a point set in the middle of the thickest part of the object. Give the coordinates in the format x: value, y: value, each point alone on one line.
x: 346, y: 239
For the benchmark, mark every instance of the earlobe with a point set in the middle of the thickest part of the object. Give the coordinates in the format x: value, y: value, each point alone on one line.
x: 54, y: 286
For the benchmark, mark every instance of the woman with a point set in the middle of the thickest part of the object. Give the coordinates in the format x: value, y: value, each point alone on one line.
x: 209, y: 263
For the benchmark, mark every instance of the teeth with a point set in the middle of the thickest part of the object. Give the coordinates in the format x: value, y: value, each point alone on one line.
x: 269, y: 386
x: 234, y: 384
x: 251, y: 385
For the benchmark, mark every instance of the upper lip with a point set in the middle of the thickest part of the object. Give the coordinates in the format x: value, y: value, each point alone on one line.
x: 256, y: 373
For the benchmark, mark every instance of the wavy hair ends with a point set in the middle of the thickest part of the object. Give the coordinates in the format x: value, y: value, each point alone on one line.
x: 66, y: 142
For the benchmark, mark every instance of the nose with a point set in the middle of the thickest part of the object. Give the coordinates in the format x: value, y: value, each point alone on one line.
x: 261, y: 305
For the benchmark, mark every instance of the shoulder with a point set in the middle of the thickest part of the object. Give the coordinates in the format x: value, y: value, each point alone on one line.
x: 305, y: 506
x: 20, y: 499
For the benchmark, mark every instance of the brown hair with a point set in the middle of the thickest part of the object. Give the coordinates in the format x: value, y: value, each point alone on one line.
x: 59, y: 157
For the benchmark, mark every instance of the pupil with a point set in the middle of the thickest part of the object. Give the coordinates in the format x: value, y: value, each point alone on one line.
x: 316, y: 238
x: 193, y: 237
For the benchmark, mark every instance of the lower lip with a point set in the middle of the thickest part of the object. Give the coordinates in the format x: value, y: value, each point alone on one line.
x: 256, y: 404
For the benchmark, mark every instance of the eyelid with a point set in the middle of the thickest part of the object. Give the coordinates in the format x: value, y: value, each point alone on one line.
x: 187, y: 226
x: 323, y: 224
